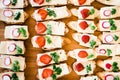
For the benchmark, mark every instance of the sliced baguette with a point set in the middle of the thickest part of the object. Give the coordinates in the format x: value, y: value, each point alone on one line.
x: 90, y: 78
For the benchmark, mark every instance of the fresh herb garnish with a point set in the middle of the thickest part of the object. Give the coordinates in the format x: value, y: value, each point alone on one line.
x: 48, y: 39
x: 92, y: 43
x: 88, y: 68
x: 90, y: 56
x: 55, y: 57
x: 92, y: 11
x: 49, y: 29
x: 112, y: 24
x: 115, y: 67
x: 51, y: 12
x: 115, y: 37
x: 116, y: 78
x: 14, y: 77
x: 113, y: 11
x: 19, y: 50
x: 92, y: 27
x: 48, y: 0
x: 17, y: 16
x: 14, y: 2
x: 23, y: 31
x: 109, y: 52
x: 15, y: 66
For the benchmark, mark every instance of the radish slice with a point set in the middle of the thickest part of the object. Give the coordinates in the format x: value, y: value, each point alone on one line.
x: 106, y: 24
x: 107, y: 12
x: 109, y: 77
x: 12, y: 47
x: 6, y: 77
x: 102, y: 51
x: 108, y: 66
x: 6, y: 2
x: 15, y: 32
x: 7, y: 13
x: 108, y: 38
x: 7, y: 61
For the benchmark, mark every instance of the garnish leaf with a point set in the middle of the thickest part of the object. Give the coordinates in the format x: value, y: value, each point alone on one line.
x: 113, y: 11
x: 14, y: 77
x: 112, y: 24
x: 48, y: 0
x: 92, y: 43
x: 54, y: 76
x: 51, y: 13
x: 55, y: 57
x: 115, y: 67
x: 88, y: 68
x: 92, y: 11
x: 14, y: 2
x: 115, y: 37
x: 23, y: 31
x: 116, y: 78
x: 15, y: 66
x: 17, y: 16
x: 109, y: 52
x: 19, y: 50
x: 92, y: 27
x: 90, y: 56
x: 48, y: 39
x: 49, y: 29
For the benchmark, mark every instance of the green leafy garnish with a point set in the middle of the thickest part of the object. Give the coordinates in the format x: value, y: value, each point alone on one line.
x: 54, y: 76
x: 112, y: 24
x: 17, y: 16
x: 116, y: 78
x: 15, y: 66
x: 51, y: 13
x: 14, y: 77
x: 115, y: 67
x: 23, y: 31
x: 109, y: 52
x: 92, y: 11
x: 92, y: 27
x: 88, y: 68
x: 90, y: 56
x: 48, y: 0
x: 92, y: 43
x: 55, y: 57
x: 48, y: 39
x: 113, y: 11
x: 19, y: 50
x: 14, y: 2
x: 115, y: 37
x: 49, y: 29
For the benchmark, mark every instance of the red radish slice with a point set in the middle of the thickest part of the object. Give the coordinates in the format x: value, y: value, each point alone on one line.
x: 109, y: 77
x: 7, y: 13
x: 15, y: 32
x: 107, y: 13
x: 12, y: 47
x: 106, y: 24
x: 108, y: 38
x: 108, y: 66
x: 6, y: 2
x: 102, y: 51
x: 6, y: 77
x: 7, y: 61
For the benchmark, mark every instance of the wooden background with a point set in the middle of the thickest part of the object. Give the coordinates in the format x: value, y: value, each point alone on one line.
x: 30, y: 55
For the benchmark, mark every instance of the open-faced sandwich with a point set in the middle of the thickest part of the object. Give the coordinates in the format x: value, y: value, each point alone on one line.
x: 109, y: 25
x: 16, y: 32
x: 86, y: 40
x: 110, y: 64
x: 53, y: 72
x: 47, y: 58
x: 83, y: 54
x: 108, y: 50
x: 108, y: 37
x: 90, y: 78
x: 83, y: 26
x: 51, y: 27
x: 109, y: 75
x: 51, y: 13
x: 12, y: 62
x: 86, y: 12
x: 13, y: 16
x: 13, y: 3
x: 84, y: 68
x: 12, y: 76
x: 109, y: 2
x: 12, y: 47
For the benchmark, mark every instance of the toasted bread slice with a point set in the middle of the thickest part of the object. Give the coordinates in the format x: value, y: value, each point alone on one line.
x: 90, y: 78
x: 109, y: 2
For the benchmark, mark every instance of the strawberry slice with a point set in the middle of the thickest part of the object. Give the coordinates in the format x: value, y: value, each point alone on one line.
x: 83, y: 25
x: 46, y: 59
x: 81, y: 2
x: 108, y: 66
x: 79, y: 67
x: 82, y: 54
x: 47, y: 73
x: 39, y: 1
x: 43, y: 13
x: 40, y: 41
x: 85, y: 38
x: 85, y: 13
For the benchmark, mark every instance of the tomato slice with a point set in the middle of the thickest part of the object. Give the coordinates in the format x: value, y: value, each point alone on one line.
x: 43, y: 13
x: 40, y: 28
x: 83, y: 25
x: 85, y: 13
x: 38, y: 1
x: 85, y: 38
x: 82, y: 54
x: 79, y: 67
x: 81, y: 2
x: 40, y: 41
x: 47, y: 73
x: 46, y: 59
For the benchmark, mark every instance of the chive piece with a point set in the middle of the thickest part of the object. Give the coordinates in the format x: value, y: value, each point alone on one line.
x: 90, y: 56
x: 51, y: 12
x: 113, y: 11
x: 109, y: 52
x: 23, y: 31
x: 115, y: 37
x: 19, y: 50
x: 15, y: 66
x: 88, y: 68
x: 14, y: 2
x: 14, y: 77
x: 48, y: 0
x: 55, y: 57
x: 17, y: 16
x: 49, y: 29
x: 48, y: 39
x: 92, y: 43
x: 92, y: 27
x: 92, y: 11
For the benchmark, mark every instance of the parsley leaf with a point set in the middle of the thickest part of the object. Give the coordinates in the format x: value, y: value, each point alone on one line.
x: 51, y: 12
x: 17, y: 16
x: 88, y: 68
x: 115, y: 67
x: 14, y: 2
x: 90, y: 56
x: 115, y: 37
x: 92, y: 11
x: 116, y: 78
x: 48, y: 0
x: 15, y: 66
x: 19, y: 50
x: 14, y: 76
x: 55, y: 57
x: 92, y: 27
x: 92, y: 43
x: 54, y: 76
x: 48, y: 39
x: 112, y: 24
x: 109, y: 52
x: 23, y: 31
x: 49, y: 29
x: 113, y: 11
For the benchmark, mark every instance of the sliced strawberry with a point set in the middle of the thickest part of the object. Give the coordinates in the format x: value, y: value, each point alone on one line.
x: 47, y: 73
x: 39, y: 1
x: 108, y: 66
x: 46, y: 59
x: 6, y: 77
x: 6, y: 2
x: 43, y: 13
x: 15, y: 33
x: 40, y: 28
x: 109, y: 77
x: 7, y: 13
x: 108, y: 38
x: 79, y: 67
x: 107, y: 13
x: 12, y: 47
x: 40, y: 41
x: 106, y: 24
x: 81, y: 2
x: 85, y: 38
x: 85, y: 13
x: 83, y: 25
x: 82, y: 54
x: 7, y: 61
x: 102, y: 51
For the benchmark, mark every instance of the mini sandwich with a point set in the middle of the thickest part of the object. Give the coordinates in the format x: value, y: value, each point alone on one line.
x: 109, y: 2
x: 109, y: 12
x: 86, y: 40
x: 108, y: 50
x: 84, y: 68
x: 53, y: 72
x: 51, y: 13
x: 12, y: 76
x: 12, y: 47
x: 16, y: 32
x: 110, y: 64
x: 83, y: 26
x: 108, y: 37
x: 51, y: 57
x: 51, y: 27
x: 86, y: 12
x: 13, y: 63
x: 13, y: 16
x: 13, y: 3
x: 83, y: 54
x: 90, y: 78
x: 109, y: 75
x: 39, y: 3
x: 109, y: 25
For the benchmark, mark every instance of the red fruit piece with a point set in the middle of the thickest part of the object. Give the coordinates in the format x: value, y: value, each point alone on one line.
x: 47, y: 73
x: 40, y: 41
x: 81, y: 2
x: 83, y: 25
x: 82, y: 54
x: 38, y: 1
x: 79, y: 67
x: 108, y: 66
x: 85, y: 38
x: 43, y: 13
x: 46, y: 59
x: 85, y: 13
